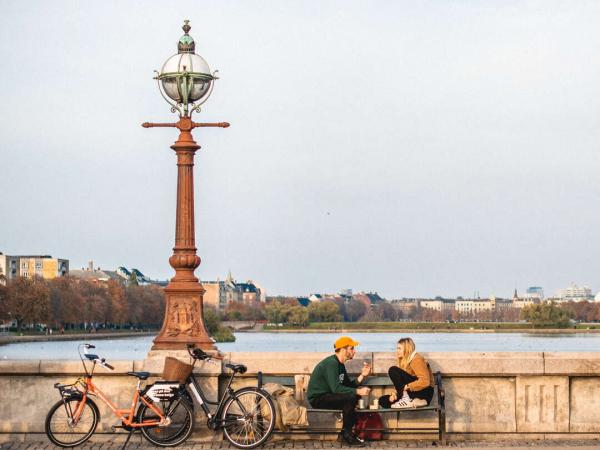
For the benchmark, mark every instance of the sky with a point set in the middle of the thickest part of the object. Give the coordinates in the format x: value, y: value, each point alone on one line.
x: 413, y: 148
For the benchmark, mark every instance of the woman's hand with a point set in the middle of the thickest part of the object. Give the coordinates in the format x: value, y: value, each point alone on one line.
x: 393, y: 397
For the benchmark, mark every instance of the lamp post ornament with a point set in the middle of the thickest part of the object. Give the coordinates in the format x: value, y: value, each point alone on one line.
x: 185, y: 82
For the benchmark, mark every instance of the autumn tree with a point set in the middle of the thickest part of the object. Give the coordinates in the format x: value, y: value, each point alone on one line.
x: 546, y: 315
x: 298, y: 315
x: 244, y: 311
x: 3, y: 302
x: 66, y: 301
x: 351, y: 310
x: 119, y: 305
x: 28, y: 301
x: 583, y: 311
x: 325, y: 311
x: 381, y: 312
x: 277, y: 312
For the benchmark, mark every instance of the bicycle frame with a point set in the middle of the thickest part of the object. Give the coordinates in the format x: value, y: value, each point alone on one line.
x: 127, y: 415
x: 195, y: 389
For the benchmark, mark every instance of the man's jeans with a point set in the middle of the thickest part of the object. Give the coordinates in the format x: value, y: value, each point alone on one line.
x: 346, y: 402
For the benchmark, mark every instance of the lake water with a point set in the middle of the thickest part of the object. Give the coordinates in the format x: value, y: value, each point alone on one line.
x: 137, y: 347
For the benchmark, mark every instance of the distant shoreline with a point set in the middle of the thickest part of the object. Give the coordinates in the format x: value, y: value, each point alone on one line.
x: 436, y: 330
x: 9, y: 339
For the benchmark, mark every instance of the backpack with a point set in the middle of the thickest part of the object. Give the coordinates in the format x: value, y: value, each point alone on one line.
x: 369, y: 426
x: 288, y: 410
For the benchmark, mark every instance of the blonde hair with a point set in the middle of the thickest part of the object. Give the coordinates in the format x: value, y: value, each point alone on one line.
x: 405, y: 358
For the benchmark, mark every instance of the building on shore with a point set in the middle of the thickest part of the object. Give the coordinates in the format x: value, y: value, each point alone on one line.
x: 406, y: 306
x: 522, y: 302
x: 575, y: 293
x: 96, y: 275
x: 368, y: 298
x: 218, y: 294
x: 29, y: 266
x: 102, y: 276
x: 535, y: 292
x: 474, y: 306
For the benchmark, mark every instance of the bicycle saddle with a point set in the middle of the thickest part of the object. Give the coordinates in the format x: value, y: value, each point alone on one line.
x: 140, y: 375
x: 237, y: 367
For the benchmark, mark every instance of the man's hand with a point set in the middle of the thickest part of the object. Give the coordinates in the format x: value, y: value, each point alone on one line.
x: 366, y: 370
x: 363, y: 390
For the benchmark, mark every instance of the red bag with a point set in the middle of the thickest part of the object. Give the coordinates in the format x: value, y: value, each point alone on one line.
x: 369, y: 426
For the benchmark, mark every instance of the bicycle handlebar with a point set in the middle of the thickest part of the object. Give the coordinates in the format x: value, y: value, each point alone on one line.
x: 197, y: 353
x: 107, y: 365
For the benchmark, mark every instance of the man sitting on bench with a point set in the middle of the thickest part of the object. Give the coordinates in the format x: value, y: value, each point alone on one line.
x: 330, y: 387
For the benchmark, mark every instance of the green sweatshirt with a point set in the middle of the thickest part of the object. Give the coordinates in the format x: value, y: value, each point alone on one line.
x: 330, y: 377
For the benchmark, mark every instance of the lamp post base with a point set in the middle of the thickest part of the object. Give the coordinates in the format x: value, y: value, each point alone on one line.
x: 184, y: 323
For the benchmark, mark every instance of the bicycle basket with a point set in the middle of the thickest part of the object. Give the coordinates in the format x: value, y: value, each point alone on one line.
x: 176, y: 370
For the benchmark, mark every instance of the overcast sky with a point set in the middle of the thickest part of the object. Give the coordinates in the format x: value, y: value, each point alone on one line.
x: 414, y: 148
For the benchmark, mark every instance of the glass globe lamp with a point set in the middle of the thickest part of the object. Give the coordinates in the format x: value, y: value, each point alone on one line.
x: 185, y: 77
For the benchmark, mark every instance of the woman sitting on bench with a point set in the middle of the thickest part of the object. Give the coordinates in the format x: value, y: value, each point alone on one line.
x: 412, y: 379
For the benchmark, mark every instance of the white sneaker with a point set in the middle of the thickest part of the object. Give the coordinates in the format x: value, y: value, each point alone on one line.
x: 403, y: 404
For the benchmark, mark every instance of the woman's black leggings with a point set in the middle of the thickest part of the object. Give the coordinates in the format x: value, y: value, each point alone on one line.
x: 400, y: 378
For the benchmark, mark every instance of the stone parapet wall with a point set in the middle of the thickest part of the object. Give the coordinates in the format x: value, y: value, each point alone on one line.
x: 486, y: 393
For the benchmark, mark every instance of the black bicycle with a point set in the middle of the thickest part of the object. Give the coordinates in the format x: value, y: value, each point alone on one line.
x: 246, y: 416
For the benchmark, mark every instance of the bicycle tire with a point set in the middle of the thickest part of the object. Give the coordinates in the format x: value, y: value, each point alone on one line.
x: 248, y: 418
x: 182, y: 421
x: 57, y: 426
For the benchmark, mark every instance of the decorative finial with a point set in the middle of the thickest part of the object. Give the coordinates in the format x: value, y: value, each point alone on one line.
x: 186, y: 43
x: 186, y: 26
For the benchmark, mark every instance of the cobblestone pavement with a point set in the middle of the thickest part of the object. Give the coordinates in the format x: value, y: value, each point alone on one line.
x: 138, y: 444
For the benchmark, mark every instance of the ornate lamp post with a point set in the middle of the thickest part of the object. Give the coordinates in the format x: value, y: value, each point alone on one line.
x: 185, y: 82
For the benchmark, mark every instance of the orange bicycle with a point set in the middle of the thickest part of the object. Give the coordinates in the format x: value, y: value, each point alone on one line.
x: 159, y: 411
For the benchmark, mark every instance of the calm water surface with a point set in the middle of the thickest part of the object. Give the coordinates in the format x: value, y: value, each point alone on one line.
x: 137, y: 347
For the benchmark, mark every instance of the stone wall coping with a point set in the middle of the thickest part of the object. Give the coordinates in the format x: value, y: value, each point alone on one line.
x: 291, y: 363
x: 572, y: 363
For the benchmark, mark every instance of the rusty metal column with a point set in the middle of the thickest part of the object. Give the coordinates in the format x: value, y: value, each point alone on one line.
x: 184, y: 321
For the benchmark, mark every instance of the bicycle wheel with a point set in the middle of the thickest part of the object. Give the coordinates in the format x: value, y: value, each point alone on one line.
x: 63, y: 431
x: 248, y: 417
x: 180, y: 420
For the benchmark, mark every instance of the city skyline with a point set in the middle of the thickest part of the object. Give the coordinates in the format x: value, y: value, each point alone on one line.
x: 573, y: 290
x: 416, y: 149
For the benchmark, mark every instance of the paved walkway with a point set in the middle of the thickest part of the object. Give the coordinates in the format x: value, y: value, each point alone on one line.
x: 138, y: 444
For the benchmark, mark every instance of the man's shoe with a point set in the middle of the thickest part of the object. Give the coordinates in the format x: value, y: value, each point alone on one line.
x: 348, y: 438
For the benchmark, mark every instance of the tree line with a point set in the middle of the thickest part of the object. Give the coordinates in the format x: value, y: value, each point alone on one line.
x: 71, y: 303
x: 286, y: 310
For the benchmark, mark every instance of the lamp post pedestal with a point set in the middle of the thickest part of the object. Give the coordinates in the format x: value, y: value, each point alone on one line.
x: 184, y: 322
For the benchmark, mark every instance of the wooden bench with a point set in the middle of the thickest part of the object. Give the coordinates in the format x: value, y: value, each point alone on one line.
x: 437, y: 406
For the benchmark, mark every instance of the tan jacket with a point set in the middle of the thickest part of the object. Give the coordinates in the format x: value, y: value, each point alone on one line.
x: 419, y: 368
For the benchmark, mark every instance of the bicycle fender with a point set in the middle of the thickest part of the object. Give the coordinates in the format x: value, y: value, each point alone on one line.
x: 93, y: 405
